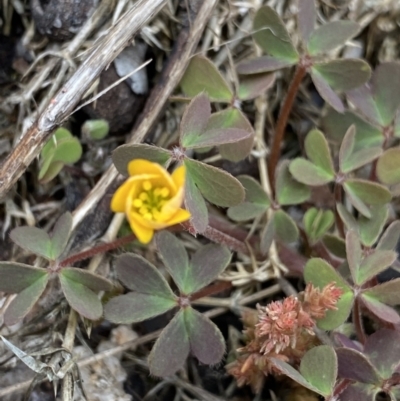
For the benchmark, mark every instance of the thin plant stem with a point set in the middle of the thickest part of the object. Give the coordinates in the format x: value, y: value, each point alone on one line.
x: 338, y: 199
x: 357, y: 321
x: 299, y: 74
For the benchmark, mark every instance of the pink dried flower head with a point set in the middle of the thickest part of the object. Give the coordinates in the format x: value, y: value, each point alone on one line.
x: 317, y: 302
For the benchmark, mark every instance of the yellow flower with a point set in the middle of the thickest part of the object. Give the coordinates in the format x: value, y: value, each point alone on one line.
x: 151, y: 198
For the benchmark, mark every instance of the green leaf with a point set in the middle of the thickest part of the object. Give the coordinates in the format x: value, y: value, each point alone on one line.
x: 231, y: 118
x: 206, y: 341
x: 344, y: 74
x: 317, y: 223
x: 330, y: 36
x: 261, y: 65
x: 126, y: 153
x: 336, y: 125
x: 194, y: 121
x: 388, y: 167
x: 320, y: 273
x: 33, y: 240
x: 194, y: 202
x: 347, y: 218
x: 317, y: 150
x: 171, y: 348
x: 390, y: 238
x: 371, y: 229
x: 319, y: 367
x: 306, y: 18
x: 335, y: 245
x: 388, y: 293
x: 379, y: 310
x: 272, y: 36
x: 205, y: 266
x: 60, y: 235
x: 308, y: 173
x: 81, y: 298
x: 201, y: 75
x: 68, y: 150
x: 135, y: 307
x: 385, y: 83
x: 364, y: 102
x: 217, y: 186
x: 140, y: 276
x: 354, y: 254
x: 326, y: 92
x: 285, y: 228
x: 175, y: 259
x: 361, y: 192
x: 51, y: 172
x: 289, y: 191
x: 373, y: 264
x: 255, y: 203
x: 15, y: 277
x: 93, y: 281
x: 24, y: 301
x: 95, y: 129
x: 252, y: 86
x: 267, y: 236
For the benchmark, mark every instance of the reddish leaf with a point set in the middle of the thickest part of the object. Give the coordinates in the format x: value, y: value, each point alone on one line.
x: 387, y: 293
x: 380, y: 310
x: 306, y: 18
x: 363, y: 100
x: 261, y: 65
x: 252, y: 86
x: 326, y: 91
x: 88, y: 279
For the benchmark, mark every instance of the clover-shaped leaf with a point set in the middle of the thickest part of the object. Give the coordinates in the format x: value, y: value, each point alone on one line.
x: 201, y: 75
x: 390, y: 237
x: 378, y: 309
x: 306, y: 18
x: 124, y: 154
x: 285, y: 227
x: 40, y: 242
x: 254, y: 85
x: 317, y: 223
x: 255, y: 203
x: 262, y: 65
x: 388, y: 167
x: 95, y: 129
x: 320, y: 273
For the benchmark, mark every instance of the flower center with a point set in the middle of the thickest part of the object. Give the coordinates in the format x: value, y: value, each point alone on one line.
x: 150, y: 201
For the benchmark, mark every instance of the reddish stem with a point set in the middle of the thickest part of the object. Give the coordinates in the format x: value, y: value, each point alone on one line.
x: 211, y: 290
x: 96, y: 250
x: 299, y: 74
x: 357, y: 321
x: 338, y: 199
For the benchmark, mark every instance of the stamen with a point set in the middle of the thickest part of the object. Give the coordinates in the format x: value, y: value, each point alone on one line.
x: 143, y: 210
x: 137, y: 203
x: 148, y: 216
x: 144, y: 196
x: 164, y: 192
x: 147, y: 185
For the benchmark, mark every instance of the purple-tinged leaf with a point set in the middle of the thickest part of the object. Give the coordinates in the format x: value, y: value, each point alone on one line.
x: 201, y: 75
x: 289, y: 371
x: 354, y: 365
x: 371, y: 229
x: 267, y: 236
x: 288, y: 190
x: 140, y: 276
x: 205, y: 266
x: 388, y: 167
x: 347, y: 218
x: 261, y: 65
x: 24, y: 301
x: 317, y: 222
x: 360, y: 392
x: 81, y: 298
x: 379, y: 310
x: 387, y: 293
x: 335, y: 245
x: 354, y: 253
x: 336, y: 124
x: 194, y: 202
x: 135, y: 307
x: 88, y: 279
x: 194, y: 120
x: 175, y: 259
x: 330, y: 36
x: 308, y: 173
x: 384, y: 84
x: 344, y: 74
x: 171, y: 349
x: 361, y: 192
x: 33, y: 240
x: 390, y: 238
x: 326, y: 92
x: 363, y: 101
x: 60, y: 235
x: 252, y: 86
x: 271, y: 35
x: 320, y: 273
x: 374, y: 264
x: 15, y: 277
x: 235, y: 119
x: 285, y: 227
x: 317, y: 150
x: 383, y: 350
x: 255, y: 203
x: 206, y: 341
x: 306, y: 18
x: 344, y: 341
x: 216, y: 185
x: 126, y: 153
x: 319, y: 367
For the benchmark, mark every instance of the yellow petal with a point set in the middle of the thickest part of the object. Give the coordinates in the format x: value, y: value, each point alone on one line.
x: 172, y: 205
x: 139, y: 167
x: 178, y: 176
x: 143, y: 234
x: 118, y: 201
x: 180, y: 216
